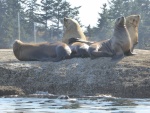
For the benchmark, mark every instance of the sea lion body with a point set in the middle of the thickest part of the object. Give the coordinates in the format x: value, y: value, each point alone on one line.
x: 100, y: 49
x: 72, y: 29
x: 132, y: 23
x: 79, y: 49
x: 117, y: 46
x: 41, y: 51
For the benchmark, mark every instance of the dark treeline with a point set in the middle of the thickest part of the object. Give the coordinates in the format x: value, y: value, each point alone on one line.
x: 118, y: 8
x: 48, y: 14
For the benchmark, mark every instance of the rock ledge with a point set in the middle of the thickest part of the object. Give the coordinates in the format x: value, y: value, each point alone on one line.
x: 129, y: 77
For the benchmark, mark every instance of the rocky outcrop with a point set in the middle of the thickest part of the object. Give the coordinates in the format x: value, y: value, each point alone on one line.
x: 10, y: 91
x: 129, y: 77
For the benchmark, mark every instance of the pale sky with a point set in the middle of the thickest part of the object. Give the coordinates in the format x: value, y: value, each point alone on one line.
x: 89, y: 10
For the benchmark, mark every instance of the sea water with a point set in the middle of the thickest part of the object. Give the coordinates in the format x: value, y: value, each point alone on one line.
x: 74, y: 105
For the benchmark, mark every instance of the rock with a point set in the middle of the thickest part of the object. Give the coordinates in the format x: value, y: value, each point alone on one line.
x: 63, y: 97
x: 129, y: 77
x: 10, y: 91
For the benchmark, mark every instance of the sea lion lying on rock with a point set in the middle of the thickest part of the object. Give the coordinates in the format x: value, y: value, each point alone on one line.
x: 72, y: 29
x: 132, y: 23
x: 79, y: 49
x: 41, y: 51
x: 116, y: 47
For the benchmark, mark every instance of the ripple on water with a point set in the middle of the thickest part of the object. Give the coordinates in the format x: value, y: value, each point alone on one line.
x: 79, y: 105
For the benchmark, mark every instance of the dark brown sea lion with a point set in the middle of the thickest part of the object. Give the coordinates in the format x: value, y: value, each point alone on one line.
x: 41, y: 51
x: 132, y: 23
x: 116, y: 47
x: 79, y: 49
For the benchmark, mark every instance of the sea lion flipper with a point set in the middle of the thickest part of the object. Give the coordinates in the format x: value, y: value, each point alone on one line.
x: 117, y: 57
x: 133, y: 53
x: 129, y: 53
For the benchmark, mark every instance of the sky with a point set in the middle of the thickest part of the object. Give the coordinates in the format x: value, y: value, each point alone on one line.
x: 88, y: 13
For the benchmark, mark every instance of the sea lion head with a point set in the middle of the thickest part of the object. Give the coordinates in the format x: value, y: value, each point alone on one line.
x: 72, y: 29
x: 133, y: 20
x: 69, y: 23
x: 121, y: 21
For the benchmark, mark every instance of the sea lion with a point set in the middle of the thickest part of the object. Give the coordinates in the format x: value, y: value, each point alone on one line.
x: 72, y: 40
x: 79, y: 49
x: 132, y: 23
x: 41, y: 51
x: 116, y: 47
x: 72, y: 29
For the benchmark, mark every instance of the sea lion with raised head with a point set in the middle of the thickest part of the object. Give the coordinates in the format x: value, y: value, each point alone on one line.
x: 116, y: 47
x: 41, y: 51
x: 132, y: 23
x: 72, y: 29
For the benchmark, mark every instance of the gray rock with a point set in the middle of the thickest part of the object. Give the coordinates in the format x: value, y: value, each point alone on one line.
x: 129, y: 77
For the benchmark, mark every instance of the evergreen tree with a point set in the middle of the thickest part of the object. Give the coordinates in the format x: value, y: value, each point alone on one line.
x: 104, y: 26
x: 55, y: 11
x: 119, y: 8
x: 8, y: 21
x: 31, y: 16
x: 143, y: 7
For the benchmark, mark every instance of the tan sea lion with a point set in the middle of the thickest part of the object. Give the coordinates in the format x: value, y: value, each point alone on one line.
x: 116, y: 47
x: 41, y: 51
x: 132, y: 23
x: 72, y: 29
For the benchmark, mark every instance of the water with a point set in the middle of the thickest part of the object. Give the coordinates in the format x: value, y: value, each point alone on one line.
x: 80, y: 105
